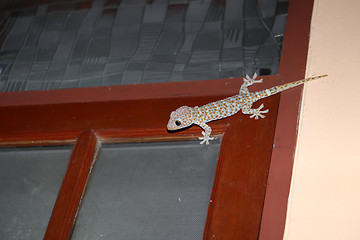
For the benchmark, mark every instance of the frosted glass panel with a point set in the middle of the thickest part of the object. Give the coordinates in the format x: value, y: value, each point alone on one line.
x: 30, y: 179
x: 149, y: 191
x: 87, y: 43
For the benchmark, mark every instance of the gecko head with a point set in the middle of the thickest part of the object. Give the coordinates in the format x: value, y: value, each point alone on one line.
x: 180, y: 118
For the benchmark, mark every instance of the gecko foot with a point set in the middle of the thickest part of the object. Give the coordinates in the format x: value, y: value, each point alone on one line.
x: 248, y: 81
x: 205, y: 139
x: 257, y: 113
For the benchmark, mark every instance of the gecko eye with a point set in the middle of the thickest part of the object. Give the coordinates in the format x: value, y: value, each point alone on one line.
x: 178, y: 123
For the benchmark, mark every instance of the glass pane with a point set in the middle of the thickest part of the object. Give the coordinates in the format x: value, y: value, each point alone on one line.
x: 71, y: 44
x: 149, y: 191
x: 30, y: 179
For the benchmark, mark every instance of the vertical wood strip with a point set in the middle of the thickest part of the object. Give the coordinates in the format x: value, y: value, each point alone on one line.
x: 66, y: 206
x: 240, y: 182
x: 292, y: 67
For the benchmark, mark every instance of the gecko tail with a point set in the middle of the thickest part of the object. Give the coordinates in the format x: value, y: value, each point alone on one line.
x: 286, y: 86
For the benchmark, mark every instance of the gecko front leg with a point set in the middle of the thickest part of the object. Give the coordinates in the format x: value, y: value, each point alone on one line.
x: 205, y: 133
x: 248, y: 81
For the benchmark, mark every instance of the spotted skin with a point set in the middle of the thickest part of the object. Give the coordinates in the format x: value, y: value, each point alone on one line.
x: 186, y: 116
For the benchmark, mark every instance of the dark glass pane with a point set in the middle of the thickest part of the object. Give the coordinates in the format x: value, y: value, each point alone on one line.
x: 30, y: 179
x: 149, y: 191
x: 70, y: 44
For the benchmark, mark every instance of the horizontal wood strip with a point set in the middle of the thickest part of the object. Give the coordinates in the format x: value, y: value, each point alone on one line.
x: 37, y: 139
x: 155, y: 134
x: 45, y: 121
x: 229, y: 86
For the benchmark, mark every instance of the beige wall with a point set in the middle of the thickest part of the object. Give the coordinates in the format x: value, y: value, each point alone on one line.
x: 324, y: 201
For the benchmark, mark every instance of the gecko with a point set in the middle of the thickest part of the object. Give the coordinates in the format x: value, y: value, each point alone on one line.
x: 186, y: 116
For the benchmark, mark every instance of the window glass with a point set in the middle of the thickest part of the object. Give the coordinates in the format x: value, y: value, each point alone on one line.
x: 30, y: 179
x: 149, y: 191
x: 71, y: 44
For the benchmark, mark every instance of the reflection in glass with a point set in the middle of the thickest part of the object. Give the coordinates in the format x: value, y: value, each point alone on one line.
x: 30, y: 179
x: 74, y: 44
x: 149, y: 191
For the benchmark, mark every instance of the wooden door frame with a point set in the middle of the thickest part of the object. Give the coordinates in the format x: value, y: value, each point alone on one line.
x: 240, y: 181
x: 293, y: 64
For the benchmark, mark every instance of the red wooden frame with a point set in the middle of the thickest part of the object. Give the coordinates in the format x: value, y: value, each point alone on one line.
x: 145, y: 120
x: 71, y: 191
x: 88, y: 117
x: 292, y: 66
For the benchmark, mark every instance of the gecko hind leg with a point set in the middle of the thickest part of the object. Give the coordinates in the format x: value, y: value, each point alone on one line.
x: 248, y: 81
x: 256, y: 113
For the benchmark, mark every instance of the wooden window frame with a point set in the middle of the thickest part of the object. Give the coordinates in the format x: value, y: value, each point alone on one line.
x: 37, y: 118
